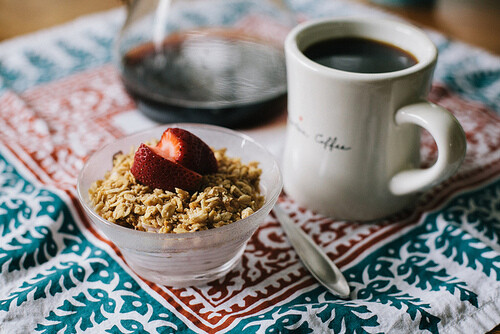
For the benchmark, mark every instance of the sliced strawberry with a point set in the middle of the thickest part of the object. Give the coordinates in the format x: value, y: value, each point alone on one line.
x: 152, y: 169
x: 185, y: 148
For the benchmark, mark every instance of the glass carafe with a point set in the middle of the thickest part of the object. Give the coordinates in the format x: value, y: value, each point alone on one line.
x: 207, y: 61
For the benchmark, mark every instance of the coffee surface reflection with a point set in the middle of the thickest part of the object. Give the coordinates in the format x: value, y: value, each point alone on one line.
x: 361, y: 55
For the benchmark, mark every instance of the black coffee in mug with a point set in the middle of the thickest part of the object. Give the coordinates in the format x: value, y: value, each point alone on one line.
x: 361, y: 55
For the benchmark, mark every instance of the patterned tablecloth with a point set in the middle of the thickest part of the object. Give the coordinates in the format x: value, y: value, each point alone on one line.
x: 436, y: 270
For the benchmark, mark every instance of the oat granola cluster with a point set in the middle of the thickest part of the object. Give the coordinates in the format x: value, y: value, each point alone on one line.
x: 230, y: 194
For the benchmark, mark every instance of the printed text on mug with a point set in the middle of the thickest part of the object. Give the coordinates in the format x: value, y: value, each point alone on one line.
x: 330, y: 143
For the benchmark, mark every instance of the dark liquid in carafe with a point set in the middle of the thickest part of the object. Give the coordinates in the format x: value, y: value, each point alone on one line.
x: 360, y: 55
x: 216, y: 79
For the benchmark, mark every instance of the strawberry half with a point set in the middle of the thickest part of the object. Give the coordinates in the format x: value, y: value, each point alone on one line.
x: 153, y: 169
x: 185, y: 148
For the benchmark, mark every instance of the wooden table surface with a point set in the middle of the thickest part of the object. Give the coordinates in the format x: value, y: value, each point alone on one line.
x: 476, y: 22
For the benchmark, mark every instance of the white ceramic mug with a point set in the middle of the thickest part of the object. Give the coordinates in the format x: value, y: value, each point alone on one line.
x: 353, y: 140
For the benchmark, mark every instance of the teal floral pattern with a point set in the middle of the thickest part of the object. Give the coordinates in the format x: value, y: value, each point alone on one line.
x: 38, y: 231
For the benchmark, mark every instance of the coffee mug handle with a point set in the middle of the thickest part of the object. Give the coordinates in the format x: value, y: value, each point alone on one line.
x: 449, y: 137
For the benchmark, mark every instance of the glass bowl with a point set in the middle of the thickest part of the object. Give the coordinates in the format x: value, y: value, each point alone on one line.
x: 186, y: 259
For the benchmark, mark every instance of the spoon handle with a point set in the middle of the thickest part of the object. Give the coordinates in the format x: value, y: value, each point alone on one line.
x: 313, y: 257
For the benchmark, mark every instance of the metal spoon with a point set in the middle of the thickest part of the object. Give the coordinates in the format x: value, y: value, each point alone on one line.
x: 313, y: 257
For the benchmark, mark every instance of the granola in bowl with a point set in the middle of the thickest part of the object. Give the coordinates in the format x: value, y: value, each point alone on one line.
x: 230, y: 194
x: 227, y: 195
x: 181, y: 259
